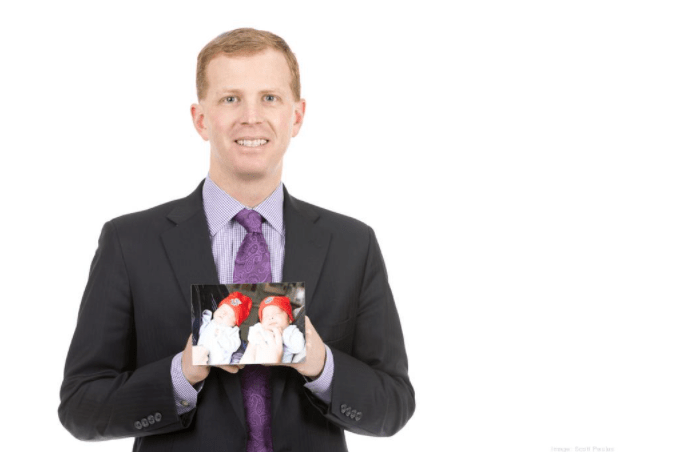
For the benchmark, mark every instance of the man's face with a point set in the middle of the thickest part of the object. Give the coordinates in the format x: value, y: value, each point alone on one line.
x: 248, y: 115
x: 224, y: 315
x: 274, y: 317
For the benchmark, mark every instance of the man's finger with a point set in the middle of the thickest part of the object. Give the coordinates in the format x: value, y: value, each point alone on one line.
x: 188, y: 350
x: 309, y: 327
x: 229, y: 368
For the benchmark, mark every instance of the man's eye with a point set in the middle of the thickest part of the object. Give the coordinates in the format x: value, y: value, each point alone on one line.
x: 229, y: 99
x: 269, y: 98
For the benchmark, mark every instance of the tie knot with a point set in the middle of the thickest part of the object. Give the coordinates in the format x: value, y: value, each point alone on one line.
x: 250, y: 220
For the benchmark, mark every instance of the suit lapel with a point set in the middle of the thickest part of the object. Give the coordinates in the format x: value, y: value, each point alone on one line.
x: 188, y: 244
x: 306, y: 246
x: 189, y: 250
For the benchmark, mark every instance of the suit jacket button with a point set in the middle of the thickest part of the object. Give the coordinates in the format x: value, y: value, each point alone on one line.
x: 144, y: 422
x: 348, y: 412
x: 343, y: 408
x: 158, y: 417
x: 353, y: 414
x: 137, y: 425
x: 359, y: 415
x: 151, y: 419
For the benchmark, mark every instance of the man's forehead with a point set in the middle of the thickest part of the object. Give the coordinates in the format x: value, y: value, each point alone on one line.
x: 267, y: 57
x: 265, y: 70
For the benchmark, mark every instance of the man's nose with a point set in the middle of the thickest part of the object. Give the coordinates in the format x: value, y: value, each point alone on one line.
x: 252, y: 113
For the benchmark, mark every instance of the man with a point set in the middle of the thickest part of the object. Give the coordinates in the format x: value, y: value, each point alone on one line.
x: 126, y: 374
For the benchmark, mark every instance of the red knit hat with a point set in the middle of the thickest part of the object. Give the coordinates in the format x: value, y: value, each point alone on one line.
x: 281, y: 302
x: 241, y: 305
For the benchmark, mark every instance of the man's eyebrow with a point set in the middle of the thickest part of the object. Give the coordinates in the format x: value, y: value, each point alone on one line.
x: 227, y: 90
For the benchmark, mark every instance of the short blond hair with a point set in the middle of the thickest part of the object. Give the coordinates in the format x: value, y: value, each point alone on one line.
x: 245, y: 41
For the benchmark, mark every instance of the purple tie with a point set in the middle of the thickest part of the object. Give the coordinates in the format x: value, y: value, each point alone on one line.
x: 253, y: 266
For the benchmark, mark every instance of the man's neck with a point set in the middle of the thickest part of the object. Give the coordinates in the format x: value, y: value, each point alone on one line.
x: 249, y: 192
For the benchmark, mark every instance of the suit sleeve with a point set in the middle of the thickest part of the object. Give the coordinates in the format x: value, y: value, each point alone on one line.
x: 371, y: 391
x: 104, y: 394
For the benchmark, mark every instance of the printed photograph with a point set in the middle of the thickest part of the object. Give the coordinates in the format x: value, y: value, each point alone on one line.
x: 248, y: 323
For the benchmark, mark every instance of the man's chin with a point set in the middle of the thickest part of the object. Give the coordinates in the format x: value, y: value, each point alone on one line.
x: 250, y: 173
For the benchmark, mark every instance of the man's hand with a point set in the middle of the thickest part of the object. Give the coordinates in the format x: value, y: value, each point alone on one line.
x: 315, y: 353
x: 196, y: 373
x: 230, y: 368
x: 200, y: 355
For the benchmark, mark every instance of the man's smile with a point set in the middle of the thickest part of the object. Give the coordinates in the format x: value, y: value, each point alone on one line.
x: 252, y: 143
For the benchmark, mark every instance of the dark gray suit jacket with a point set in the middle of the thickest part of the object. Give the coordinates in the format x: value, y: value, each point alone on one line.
x: 135, y: 316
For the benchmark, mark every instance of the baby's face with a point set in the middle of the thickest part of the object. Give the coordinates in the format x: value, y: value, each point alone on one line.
x: 274, y: 317
x: 225, y: 316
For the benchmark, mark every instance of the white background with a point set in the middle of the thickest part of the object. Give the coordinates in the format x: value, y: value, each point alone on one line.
x: 518, y: 161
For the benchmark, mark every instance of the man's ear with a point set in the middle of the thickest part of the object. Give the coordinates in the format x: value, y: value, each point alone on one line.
x: 199, y: 120
x: 300, y: 109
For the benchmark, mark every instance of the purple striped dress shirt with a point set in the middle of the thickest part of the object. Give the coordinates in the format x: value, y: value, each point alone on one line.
x: 226, y: 236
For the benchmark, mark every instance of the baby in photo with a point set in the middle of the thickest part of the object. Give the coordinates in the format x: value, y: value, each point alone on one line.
x: 275, y: 313
x: 220, y: 333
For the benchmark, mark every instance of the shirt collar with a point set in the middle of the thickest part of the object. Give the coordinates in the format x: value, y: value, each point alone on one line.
x: 220, y: 207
